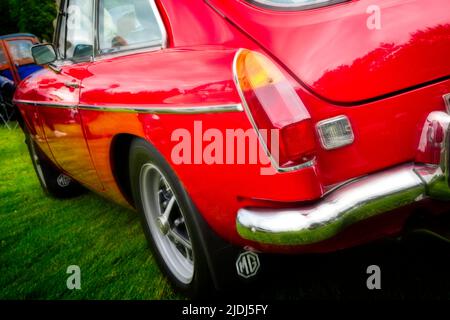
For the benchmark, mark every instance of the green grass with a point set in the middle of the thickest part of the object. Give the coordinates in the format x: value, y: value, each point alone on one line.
x: 40, y: 237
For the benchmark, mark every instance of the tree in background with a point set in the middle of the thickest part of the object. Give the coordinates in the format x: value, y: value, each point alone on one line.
x: 33, y: 16
x: 7, y: 25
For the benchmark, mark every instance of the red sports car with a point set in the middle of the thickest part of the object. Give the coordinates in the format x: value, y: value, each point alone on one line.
x: 246, y: 126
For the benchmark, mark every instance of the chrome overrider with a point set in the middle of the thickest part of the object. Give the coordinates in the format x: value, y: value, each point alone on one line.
x: 369, y: 196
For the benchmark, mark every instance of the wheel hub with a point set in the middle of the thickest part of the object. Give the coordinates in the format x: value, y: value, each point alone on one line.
x: 163, y: 225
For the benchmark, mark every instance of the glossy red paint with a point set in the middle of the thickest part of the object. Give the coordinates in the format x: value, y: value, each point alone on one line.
x: 63, y: 126
x: 200, y: 78
x: 325, y: 53
x: 335, y: 55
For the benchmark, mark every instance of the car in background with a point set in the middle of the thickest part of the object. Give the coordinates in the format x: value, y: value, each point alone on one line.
x: 360, y: 115
x: 16, y: 61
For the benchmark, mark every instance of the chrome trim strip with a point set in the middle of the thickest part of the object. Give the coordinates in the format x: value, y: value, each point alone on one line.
x: 274, y: 163
x: 152, y: 109
x: 276, y: 6
x: 46, y: 104
x: 167, y: 110
x: 356, y: 201
x: 127, y: 52
x: 161, y: 25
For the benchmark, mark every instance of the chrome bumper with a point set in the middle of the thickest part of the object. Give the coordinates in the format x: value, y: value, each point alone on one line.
x: 366, y: 197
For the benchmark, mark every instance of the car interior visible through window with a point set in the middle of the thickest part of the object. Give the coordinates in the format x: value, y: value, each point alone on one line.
x: 79, y: 39
x: 76, y: 40
x: 125, y: 25
x: 20, y: 51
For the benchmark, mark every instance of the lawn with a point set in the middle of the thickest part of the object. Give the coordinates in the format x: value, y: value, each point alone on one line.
x: 40, y: 237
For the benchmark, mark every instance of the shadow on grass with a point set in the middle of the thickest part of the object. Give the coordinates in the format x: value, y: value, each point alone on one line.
x: 415, y: 267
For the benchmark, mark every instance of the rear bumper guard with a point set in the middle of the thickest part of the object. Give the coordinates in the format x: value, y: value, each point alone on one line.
x: 360, y: 199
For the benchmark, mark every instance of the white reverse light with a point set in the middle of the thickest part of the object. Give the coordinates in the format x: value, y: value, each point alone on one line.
x: 335, y: 132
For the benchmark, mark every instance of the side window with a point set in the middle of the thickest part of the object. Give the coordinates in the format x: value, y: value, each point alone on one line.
x: 129, y: 24
x: 20, y: 51
x: 76, y: 39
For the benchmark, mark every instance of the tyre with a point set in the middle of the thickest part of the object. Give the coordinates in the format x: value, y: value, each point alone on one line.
x: 52, y: 180
x: 170, y: 221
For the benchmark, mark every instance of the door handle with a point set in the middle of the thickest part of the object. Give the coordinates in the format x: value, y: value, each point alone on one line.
x: 73, y: 85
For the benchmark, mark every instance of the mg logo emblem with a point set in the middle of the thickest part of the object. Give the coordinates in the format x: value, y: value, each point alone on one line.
x: 447, y: 102
x: 63, y: 180
x: 247, y: 264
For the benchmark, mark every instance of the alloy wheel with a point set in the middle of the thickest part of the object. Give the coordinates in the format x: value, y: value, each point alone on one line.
x: 167, y: 223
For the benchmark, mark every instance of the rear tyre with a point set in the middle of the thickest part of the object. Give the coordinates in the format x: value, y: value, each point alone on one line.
x: 53, y: 182
x: 170, y: 221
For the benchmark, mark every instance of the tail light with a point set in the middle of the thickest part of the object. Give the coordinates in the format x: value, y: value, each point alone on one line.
x: 273, y: 105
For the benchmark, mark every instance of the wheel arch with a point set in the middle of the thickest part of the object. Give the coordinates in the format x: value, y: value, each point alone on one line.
x: 119, y: 160
x: 119, y: 154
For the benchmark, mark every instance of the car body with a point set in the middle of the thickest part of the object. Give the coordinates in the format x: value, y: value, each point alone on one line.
x: 16, y: 62
x: 382, y: 91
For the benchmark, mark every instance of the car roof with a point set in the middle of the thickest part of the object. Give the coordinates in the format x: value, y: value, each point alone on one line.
x: 17, y: 35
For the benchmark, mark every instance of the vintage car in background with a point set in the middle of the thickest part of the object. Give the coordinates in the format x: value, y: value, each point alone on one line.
x: 350, y: 114
x: 16, y: 61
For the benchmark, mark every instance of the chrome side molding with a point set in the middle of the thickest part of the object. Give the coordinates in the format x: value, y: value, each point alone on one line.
x: 150, y: 109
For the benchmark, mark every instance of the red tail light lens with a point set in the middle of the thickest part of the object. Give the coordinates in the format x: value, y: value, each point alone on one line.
x: 273, y: 105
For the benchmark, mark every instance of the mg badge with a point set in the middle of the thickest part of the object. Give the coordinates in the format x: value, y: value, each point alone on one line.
x: 447, y: 102
x: 63, y: 180
x: 247, y: 264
